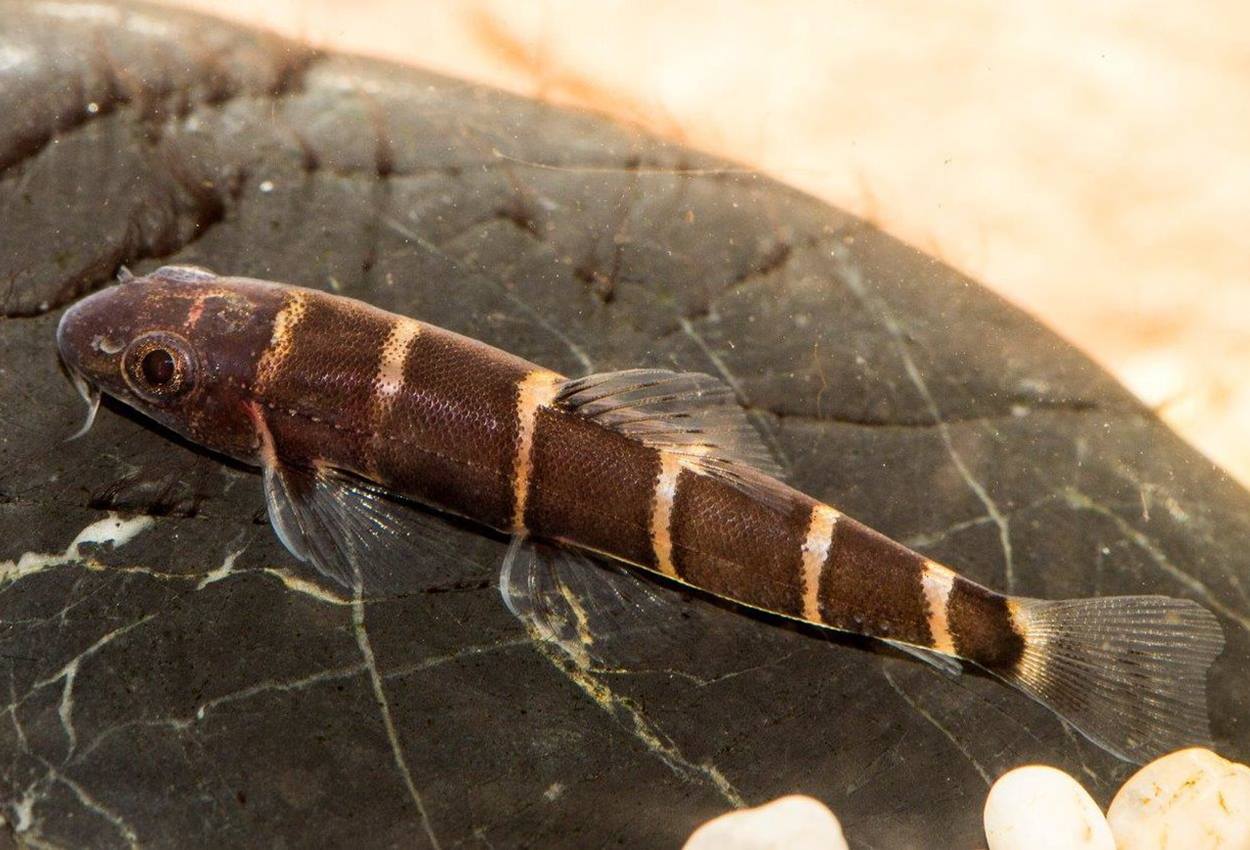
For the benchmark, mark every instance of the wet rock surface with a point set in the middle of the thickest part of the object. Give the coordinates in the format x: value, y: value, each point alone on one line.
x: 189, y: 685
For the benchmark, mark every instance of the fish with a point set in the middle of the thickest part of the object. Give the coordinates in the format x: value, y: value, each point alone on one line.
x: 367, y: 426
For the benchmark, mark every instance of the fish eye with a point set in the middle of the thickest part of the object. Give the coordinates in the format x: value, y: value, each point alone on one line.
x: 159, y: 366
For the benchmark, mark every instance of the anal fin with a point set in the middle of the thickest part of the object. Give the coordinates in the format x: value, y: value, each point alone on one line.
x: 945, y: 664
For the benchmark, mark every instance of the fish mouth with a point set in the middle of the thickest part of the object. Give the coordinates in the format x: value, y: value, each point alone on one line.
x: 90, y: 394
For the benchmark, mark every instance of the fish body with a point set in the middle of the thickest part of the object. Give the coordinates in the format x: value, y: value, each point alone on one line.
x: 341, y: 403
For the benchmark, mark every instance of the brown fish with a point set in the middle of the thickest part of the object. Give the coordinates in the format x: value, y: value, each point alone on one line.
x: 343, y: 405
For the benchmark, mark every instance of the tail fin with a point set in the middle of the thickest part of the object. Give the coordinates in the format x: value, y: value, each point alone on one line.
x: 1129, y: 672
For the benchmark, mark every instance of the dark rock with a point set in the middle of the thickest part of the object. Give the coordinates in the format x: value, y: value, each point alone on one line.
x: 196, y: 688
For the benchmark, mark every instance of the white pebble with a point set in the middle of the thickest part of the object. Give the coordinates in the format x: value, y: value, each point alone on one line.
x: 1192, y: 799
x: 1042, y: 808
x: 790, y: 823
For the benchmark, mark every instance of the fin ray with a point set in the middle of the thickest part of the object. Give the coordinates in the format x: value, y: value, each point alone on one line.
x: 684, y: 412
x: 689, y: 414
x: 279, y: 501
x: 355, y: 534
x: 1127, y: 672
x: 946, y: 664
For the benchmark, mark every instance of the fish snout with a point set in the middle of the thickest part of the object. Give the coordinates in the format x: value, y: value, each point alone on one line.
x: 87, y: 342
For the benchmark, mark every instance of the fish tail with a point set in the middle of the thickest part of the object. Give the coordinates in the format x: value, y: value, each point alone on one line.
x: 1129, y: 672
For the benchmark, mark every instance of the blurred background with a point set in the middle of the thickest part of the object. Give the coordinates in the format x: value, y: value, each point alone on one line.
x: 1091, y: 163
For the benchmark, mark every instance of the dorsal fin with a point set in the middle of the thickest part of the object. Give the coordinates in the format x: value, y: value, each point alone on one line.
x: 685, y: 412
x: 689, y: 414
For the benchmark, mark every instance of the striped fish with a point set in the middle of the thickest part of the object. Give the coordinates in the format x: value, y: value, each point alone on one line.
x: 344, y: 406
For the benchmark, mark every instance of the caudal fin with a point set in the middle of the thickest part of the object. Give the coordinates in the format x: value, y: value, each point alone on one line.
x: 1129, y: 672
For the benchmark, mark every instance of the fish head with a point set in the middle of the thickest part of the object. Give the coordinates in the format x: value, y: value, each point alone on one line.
x: 179, y: 345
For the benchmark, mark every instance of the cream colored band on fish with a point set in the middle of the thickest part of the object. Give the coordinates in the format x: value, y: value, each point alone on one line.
x: 284, y: 325
x: 390, y: 376
x: 1032, y: 666
x: 389, y: 379
x: 671, y: 466
x: 937, y: 581
x: 535, y: 391
x: 815, y: 553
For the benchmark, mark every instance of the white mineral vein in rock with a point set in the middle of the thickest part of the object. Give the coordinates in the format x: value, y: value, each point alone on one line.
x: 24, y: 809
x: 1041, y: 808
x: 227, y: 566
x: 1191, y: 799
x: 112, y: 529
x: 306, y: 587
x: 790, y: 823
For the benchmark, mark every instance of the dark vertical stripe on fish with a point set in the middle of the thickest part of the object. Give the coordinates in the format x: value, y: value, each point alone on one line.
x: 873, y: 586
x: 240, y: 318
x: 725, y: 541
x: 983, y: 627
x: 313, y: 337
x: 452, y: 429
x: 592, y: 486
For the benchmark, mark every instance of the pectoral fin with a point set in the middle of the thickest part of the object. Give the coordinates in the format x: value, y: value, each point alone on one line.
x: 356, y: 534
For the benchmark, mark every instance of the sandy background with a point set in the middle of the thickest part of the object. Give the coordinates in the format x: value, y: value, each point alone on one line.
x: 1092, y: 165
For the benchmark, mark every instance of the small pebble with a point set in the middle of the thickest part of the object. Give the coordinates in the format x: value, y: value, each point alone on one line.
x: 790, y: 823
x: 1191, y: 799
x: 1042, y: 808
